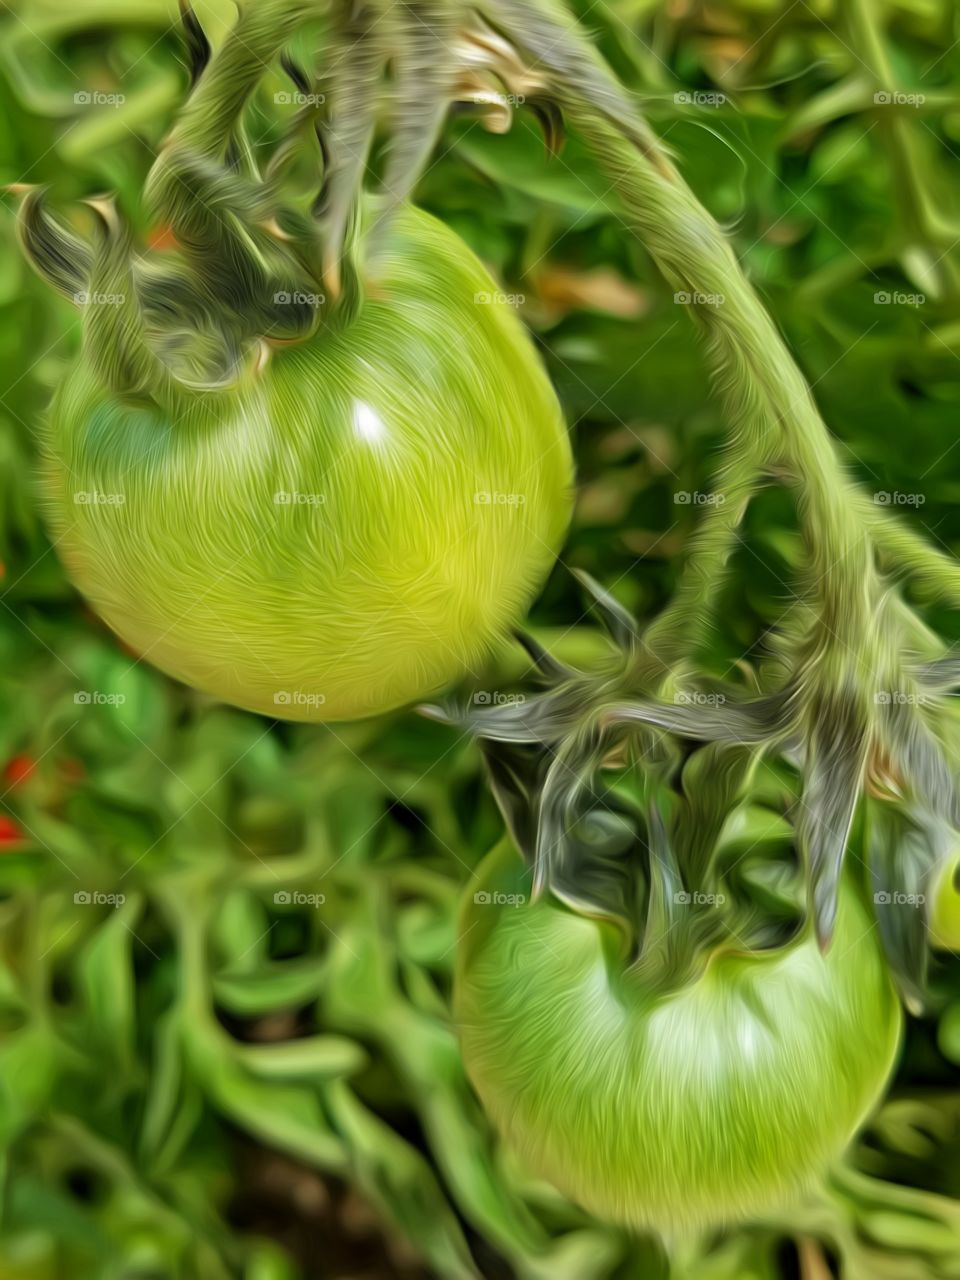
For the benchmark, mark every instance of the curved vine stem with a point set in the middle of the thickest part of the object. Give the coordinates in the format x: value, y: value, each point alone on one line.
x: 209, y: 117
x: 935, y: 575
x: 921, y: 222
x: 770, y: 407
x: 842, y: 654
x: 680, y: 628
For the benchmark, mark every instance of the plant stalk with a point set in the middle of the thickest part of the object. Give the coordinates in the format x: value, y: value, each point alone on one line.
x: 773, y: 415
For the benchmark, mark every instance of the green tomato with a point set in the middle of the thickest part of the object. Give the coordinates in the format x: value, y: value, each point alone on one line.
x: 944, y: 911
x: 353, y: 526
x: 671, y: 1110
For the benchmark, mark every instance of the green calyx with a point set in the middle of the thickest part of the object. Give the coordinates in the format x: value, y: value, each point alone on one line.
x: 674, y: 1106
x: 854, y: 697
x: 623, y: 792
x: 198, y: 318
x: 253, y: 263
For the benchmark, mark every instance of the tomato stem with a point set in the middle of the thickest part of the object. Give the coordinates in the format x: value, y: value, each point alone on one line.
x: 768, y: 399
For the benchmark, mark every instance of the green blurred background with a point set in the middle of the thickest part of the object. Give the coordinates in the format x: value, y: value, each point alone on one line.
x: 225, y: 944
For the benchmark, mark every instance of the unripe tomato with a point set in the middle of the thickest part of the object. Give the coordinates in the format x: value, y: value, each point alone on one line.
x: 668, y: 1109
x: 944, y: 910
x: 349, y: 529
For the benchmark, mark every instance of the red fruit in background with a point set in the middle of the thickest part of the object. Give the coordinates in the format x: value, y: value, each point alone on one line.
x: 19, y: 769
x: 10, y: 833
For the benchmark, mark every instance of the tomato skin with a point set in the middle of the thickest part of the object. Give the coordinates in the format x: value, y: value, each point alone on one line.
x: 312, y: 545
x: 944, y: 911
x: 672, y: 1112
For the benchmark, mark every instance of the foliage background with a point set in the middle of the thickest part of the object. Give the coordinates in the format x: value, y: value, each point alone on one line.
x: 208, y: 1080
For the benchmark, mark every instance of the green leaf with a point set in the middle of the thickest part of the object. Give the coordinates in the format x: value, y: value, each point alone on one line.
x: 311, y: 1058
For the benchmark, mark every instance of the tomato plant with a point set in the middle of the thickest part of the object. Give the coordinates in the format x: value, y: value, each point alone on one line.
x: 944, y: 914
x: 661, y: 1104
x: 664, y: 1004
x: 308, y: 460
x: 346, y: 526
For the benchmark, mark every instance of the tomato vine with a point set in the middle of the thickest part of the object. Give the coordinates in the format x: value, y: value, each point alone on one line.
x: 619, y: 782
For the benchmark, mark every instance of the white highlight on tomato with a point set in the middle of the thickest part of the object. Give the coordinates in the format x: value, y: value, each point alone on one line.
x: 367, y: 423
